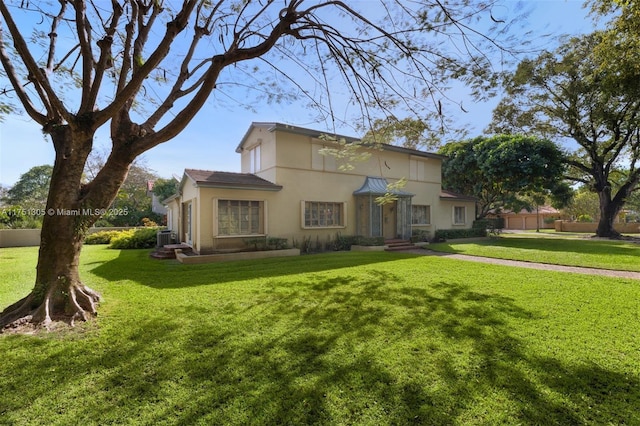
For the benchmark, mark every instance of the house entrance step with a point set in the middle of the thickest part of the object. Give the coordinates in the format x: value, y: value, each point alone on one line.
x: 398, y: 245
x: 168, y: 251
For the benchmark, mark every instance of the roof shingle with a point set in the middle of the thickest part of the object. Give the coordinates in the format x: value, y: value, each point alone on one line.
x: 216, y: 179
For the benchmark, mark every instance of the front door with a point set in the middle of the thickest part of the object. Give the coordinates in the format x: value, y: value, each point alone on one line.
x: 389, y: 221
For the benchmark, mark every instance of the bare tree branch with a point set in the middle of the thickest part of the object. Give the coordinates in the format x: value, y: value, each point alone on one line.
x: 55, y: 109
x: 105, y: 61
x: 12, y: 74
x: 83, y: 29
x: 218, y: 63
x: 178, y: 90
x: 128, y: 91
x: 53, y: 36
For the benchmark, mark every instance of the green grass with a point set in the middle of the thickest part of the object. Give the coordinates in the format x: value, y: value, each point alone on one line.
x: 605, y: 254
x: 343, y: 338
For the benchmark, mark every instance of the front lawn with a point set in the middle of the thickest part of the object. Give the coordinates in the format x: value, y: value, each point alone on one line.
x: 605, y: 254
x: 342, y: 338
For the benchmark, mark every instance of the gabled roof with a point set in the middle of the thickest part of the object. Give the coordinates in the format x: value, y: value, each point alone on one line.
x: 454, y: 196
x: 272, y: 127
x: 379, y: 186
x: 230, y: 180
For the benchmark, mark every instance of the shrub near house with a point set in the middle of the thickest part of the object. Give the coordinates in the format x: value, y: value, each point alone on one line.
x: 127, y: 239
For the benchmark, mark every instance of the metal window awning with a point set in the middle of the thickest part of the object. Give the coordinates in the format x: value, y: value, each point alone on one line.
x: 379, y: 186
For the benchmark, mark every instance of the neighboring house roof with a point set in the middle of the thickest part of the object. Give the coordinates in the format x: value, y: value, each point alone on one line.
x: 230, y: 180
x: 454, y: 196
x: 272, y: 127
x: 379, y: 186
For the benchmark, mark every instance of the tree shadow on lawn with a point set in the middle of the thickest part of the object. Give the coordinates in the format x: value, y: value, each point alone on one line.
x: 384, y: 354
x: 82, y: 379
x: 366, y: 350
x: 353, y: 349
x: 600, y: 247
x: 136, y: 265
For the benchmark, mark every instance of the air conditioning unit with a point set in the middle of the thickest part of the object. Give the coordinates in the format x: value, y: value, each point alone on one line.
x: 163, y: 238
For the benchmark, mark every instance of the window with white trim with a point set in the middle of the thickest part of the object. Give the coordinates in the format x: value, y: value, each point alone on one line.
x: 459, y: 215
x: 240, y: 217
x: 319, y: 214
x: 420, y: 214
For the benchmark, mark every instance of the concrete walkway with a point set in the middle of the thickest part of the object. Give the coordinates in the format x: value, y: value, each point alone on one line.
x: 534, y: 265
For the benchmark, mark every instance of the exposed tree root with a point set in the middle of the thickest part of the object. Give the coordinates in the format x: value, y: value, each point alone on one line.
x: 75, y: 302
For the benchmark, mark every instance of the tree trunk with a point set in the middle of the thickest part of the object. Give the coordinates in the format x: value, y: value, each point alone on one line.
x: 59, y: 294
x: 609, y: 209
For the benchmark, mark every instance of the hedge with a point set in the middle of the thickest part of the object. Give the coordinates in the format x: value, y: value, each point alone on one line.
x: 490, y: 224
x: 135, y: 238
x: 101, y: 237
x: 452, y: 234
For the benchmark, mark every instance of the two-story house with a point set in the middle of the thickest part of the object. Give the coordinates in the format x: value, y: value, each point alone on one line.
x: 289, y: 188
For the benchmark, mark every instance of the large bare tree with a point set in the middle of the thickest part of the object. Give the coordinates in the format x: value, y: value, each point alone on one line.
x: 144, y: 68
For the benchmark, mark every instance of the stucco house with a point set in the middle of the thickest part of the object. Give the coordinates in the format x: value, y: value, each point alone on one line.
x: 288, y: 189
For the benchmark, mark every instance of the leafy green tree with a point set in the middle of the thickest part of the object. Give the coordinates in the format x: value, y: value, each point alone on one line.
x: 132, y: 203
x: 3, y: 194
x: 165, y: 188
x: 31, y: 189
x: 145, y: 68
x: 585, y: 203
x: 501, y: 170
x: 573, y: 93
x: 407, y: 132
x: 621, y: 35
x: 414, y: 133
x: 633, y: 205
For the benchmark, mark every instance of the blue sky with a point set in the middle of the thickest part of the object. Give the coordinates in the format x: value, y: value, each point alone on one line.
x: 209, y: 141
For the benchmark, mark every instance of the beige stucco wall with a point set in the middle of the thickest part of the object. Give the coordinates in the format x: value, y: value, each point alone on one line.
x: 267, y: 141
x: 305, y: 176
x: 295, y: 154
x: 444, y: 214
x: 19, y: 237
x: 208, y: 238
x: 299, y: 183
x: 625, y: 228
x: 295, y: 151
x: 173, y: 215
x: 190, y: 193
x: 31, y: 237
